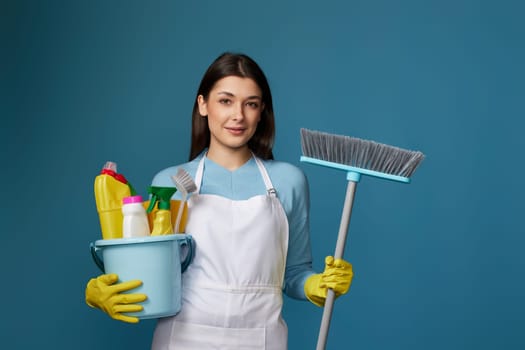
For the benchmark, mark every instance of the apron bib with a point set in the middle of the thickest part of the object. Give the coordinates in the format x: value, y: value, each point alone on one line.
x: 232, y: 291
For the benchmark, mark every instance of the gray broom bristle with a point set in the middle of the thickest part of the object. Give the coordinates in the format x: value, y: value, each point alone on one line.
x: 359, y: 153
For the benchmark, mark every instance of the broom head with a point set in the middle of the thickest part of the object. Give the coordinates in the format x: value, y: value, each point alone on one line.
x: 359, y: 157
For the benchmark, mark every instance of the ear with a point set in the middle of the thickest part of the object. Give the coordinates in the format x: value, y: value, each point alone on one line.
x: 203, y: 108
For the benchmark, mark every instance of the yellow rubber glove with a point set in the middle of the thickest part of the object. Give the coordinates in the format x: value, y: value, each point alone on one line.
x: 337, y: 275
x: 104, y: 294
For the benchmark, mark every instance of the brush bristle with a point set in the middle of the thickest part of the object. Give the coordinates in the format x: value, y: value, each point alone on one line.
x: 360, y: 153
x: 183, y: 181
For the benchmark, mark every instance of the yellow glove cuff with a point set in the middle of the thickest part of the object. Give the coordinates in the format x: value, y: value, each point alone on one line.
x: 313, y: 291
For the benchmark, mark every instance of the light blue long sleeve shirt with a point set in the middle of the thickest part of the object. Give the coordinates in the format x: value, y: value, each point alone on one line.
x: 245, y: 182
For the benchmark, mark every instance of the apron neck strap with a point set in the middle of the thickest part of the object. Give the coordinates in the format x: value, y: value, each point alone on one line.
x: 266, y: 178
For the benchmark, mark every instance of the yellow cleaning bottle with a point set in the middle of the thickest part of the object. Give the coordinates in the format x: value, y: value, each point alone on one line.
x: 110, y: 189
x: 162, y: 222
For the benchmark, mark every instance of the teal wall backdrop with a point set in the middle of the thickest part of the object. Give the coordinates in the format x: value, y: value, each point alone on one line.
x: 438, y: 263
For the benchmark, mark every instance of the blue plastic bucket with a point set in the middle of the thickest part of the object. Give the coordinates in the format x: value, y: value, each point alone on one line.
x: 157, y: 261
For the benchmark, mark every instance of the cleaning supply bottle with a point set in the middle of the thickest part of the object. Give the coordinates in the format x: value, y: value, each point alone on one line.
x: 162, y: 222
x: 110, y: 189
x: 135, y: 222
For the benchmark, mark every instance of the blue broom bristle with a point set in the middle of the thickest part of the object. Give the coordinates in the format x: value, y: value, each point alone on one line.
x: 360, y: 153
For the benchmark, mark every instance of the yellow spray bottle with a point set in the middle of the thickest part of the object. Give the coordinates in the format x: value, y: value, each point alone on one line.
x: 162, y: 222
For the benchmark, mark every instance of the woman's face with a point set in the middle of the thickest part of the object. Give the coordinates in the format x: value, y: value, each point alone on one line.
x: 233, y: 107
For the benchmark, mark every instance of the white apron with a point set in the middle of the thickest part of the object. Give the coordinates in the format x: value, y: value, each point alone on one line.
x: 232, y: 291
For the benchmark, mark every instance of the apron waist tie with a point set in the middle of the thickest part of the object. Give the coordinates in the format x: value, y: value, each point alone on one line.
x: 252, y: 288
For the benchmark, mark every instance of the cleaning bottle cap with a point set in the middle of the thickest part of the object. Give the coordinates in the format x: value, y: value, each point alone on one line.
x: 160, y: 196
x: 110, y: 166
x: 163, y: 205
x: 132, y: 199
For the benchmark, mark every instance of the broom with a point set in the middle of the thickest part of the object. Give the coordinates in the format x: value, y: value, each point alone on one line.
x: 357, y: 157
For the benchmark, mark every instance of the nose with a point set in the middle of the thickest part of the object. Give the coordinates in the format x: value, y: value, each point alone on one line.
x: 238, y: 112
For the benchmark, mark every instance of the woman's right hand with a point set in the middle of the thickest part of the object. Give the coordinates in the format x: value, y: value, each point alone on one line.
x: 104, y: 294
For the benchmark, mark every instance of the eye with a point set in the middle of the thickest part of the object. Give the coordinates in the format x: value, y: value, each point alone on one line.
x: 225, y: 101
x: 253, y: 104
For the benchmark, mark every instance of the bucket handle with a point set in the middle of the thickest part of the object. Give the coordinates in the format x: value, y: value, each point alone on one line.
x: 189, y: 244
x: 96, y: 257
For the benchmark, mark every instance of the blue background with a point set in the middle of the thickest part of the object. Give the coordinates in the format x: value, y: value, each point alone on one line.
x: 438, y: 263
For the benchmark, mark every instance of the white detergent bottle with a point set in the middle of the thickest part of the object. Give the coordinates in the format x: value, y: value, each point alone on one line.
x: 135, y: 222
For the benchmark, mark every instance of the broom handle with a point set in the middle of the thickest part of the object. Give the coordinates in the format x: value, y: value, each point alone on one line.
x: 339, y: 251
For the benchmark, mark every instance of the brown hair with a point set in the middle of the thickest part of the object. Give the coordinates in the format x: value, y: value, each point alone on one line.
x: 240, y: 65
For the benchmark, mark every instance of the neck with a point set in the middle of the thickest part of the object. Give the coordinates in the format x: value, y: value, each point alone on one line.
x: 230, y: 159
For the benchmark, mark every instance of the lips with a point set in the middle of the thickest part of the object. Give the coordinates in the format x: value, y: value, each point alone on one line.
x: 235, y: 130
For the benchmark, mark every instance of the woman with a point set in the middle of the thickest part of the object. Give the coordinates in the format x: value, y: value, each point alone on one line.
x: 249, y: 219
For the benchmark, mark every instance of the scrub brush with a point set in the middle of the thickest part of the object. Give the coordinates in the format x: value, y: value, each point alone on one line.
x: 357, y: 157
x: 185, y: 185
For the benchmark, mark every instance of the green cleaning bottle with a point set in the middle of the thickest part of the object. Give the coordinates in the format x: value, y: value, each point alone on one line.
x: 162, y: 222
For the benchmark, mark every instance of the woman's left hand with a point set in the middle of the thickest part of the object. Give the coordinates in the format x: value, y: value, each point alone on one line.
x: 337, y: 276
